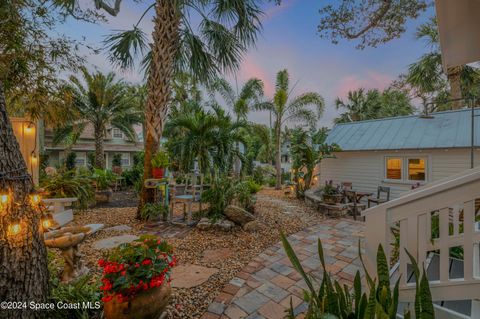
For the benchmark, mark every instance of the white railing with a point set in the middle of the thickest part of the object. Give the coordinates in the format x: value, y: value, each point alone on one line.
x: 436, y: 219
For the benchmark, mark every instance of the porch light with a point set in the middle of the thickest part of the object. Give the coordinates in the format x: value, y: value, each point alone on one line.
x: 14, y: 228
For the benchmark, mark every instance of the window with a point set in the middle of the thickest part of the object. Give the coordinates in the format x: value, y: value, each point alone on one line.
x: 416, y: 169
x: 81, y: 159
x: 116, y: 133
x: 394, y: 168
x: 125, y: 159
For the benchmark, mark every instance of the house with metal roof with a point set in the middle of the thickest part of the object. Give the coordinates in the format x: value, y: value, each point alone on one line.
x: 401, y: 152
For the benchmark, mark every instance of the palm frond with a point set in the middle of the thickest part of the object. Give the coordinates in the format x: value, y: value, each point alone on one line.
x: 124, y: 46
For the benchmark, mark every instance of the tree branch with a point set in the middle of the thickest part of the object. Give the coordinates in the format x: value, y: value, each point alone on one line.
x: 101, y: 4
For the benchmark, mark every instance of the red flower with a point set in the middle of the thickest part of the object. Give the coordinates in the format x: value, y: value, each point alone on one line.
x: 107, y: 298
x: 123, y: 273
x: 101, y: 262
x: 147, y: 262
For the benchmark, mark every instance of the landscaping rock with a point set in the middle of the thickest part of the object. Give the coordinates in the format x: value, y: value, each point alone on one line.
x: 224, y: 224
x: 112, y: 242
x: 215, y: 255
x: 238, y: 215
x: 188, y: 276
x: 253, y: 226
x: 204, y: 224
x: 119, y: 228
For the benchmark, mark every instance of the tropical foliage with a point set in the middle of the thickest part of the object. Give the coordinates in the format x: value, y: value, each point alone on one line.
x: 69, y: 184
x: 332, y: 300
x: 306, y: 156
x: 100, y: 103
x: 364, y: 105
x: 285, y: 108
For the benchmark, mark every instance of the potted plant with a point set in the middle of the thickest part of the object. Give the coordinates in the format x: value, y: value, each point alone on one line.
x: 331, y: 194
x: 136, y: 279
x: 117, y: 164
x: 159, y: 164
x: 103, y: 179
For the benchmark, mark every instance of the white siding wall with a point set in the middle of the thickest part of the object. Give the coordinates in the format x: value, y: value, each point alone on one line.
x: 366, y: 169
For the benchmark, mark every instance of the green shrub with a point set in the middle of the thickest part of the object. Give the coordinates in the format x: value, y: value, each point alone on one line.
x: 70, y: 161
x: 272, y: 181
x: 103, y: 178
x: 220, y: 194
x: 160, y: 160
x: 332, y: 300
x: 81, y: 290
x: 69, y: 184
x: 150, y: 211
x: 244, y: 196
x: 253, y: 186
x: 117, y: 159
x: 134, y: 176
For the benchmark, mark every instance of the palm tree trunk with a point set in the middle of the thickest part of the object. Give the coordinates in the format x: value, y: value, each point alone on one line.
x: 278, y: 161
x: 23, y: 265
x: 165, y: 44
x: 237, y: 160
x: 455, y: 86
x: 99, y: 152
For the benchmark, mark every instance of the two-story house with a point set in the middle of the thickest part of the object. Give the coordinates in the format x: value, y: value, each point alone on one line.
x: 115, y: 142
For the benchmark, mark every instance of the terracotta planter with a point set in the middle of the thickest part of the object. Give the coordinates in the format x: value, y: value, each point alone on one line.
x: 148, y: 304
x: 158, y: 172
x: 332, y: 199
x: 103, y: 196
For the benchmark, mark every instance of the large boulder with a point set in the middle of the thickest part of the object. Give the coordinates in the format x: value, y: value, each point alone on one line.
x: 238, y: 215
x: 204, y: 224
x: 221, y: 224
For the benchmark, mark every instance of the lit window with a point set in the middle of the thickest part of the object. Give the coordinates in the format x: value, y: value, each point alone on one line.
x: 117, y: 133
x: 416, y: 169
x: 394, y: 168
x: 125, y: 159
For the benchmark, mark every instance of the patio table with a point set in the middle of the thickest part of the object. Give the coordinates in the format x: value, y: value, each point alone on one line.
x: 361, y: 195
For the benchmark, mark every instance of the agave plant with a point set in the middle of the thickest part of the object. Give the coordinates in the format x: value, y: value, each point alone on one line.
x: 332, y: 300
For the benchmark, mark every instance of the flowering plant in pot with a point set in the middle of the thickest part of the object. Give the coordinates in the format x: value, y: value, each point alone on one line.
x: 159, y: 163
x: 331, y: 194
x: 136, y: 279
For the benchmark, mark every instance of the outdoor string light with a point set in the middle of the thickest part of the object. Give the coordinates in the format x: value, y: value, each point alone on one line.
x: 14, y: 228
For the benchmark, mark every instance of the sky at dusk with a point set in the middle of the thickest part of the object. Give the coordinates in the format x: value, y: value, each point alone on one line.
x: 289, y: 40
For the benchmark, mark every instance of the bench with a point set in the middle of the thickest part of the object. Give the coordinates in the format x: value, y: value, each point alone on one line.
x: 59, y: 207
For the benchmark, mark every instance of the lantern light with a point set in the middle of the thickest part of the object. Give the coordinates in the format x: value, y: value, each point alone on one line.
x: 3, y: 199
x: 46, y: 221
x: 29, y: 128
x: 14, y: 228
x: 34, y: 158
x: 315, y: 178
x: 35, y: 199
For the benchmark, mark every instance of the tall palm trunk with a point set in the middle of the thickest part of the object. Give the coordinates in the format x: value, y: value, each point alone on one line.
x: 23, y: 265
x: 278, y: 160
x: 455, y: 86
x: 165, y: 44
x: 99, y: 152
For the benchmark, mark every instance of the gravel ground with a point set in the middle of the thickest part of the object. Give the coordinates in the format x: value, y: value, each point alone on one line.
x: 273, y: 208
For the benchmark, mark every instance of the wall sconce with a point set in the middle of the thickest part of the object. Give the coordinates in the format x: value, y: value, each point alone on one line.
x: 29, y: 128
x: 14, y: 228
x: 315, y: 178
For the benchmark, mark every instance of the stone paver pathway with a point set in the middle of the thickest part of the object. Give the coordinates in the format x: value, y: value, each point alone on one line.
x: 264, y: 288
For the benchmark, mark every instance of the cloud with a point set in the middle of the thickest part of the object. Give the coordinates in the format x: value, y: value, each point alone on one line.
x: 251, y: 69
x: 369, y: 80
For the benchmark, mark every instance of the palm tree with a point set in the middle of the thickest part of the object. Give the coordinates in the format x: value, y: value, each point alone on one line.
x: 101, y: 102
x: 283, y: 109
x: 240, y: 102
x: 427, y: 75
x: 373, y: 104
x: 225, y: 30
x: 266, y: 150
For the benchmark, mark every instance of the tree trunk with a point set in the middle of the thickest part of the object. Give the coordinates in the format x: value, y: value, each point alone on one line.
x: 23, y: 262
x: 237, y: 160
x: 455, y: 86
x: 165, y: 45
x: 99, y: 153
x: 278, y: 161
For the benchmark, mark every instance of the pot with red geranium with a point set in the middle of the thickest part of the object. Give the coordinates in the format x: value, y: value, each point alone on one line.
x: 159, y: 164
x: 136, y: 279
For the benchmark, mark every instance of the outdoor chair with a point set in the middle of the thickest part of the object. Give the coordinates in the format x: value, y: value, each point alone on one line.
x: 192, y: 194
x: 353, y: 203
x: 380, y: 199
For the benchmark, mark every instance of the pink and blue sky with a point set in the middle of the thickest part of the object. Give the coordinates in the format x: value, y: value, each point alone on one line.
x: 289, y: 40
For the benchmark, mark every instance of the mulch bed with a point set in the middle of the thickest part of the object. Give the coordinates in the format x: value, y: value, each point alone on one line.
x: 193, y: 302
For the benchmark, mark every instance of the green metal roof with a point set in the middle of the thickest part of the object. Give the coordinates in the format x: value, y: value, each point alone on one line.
x: 450, y: 129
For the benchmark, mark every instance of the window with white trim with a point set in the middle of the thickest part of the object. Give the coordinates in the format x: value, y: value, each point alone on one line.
x: 406, y: 168
x: 116, y: 133
x: 125, y: 159
x: 80, y: 159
